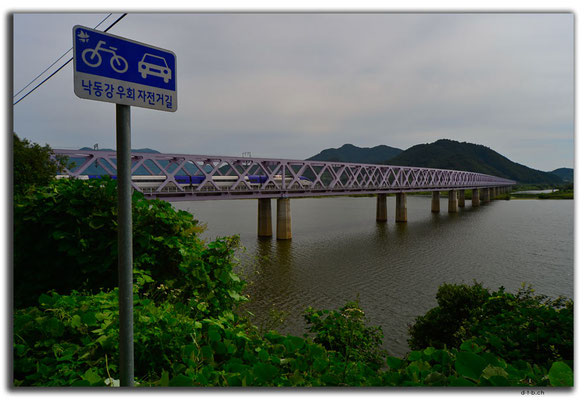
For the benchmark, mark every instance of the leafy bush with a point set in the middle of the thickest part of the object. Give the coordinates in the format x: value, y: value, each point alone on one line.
x: 72, y: 340
x: 32, y: 165
x: 440, y: 326
x: 521, y: 326
x: 186, y: 331
x: 73, y: 225
x: 524, y: 326
x: 345, y: 332
x: 470, y: 365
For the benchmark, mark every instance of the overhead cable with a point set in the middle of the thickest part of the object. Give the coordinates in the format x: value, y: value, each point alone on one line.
x: 61, y: 67
x: 55, y: 62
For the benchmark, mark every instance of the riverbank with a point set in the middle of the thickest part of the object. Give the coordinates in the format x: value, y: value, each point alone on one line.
x: 558, y: 195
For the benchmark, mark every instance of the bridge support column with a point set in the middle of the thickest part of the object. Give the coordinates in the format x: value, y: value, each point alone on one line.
x: 484, y: 195
x: 452, y: 201
x: 475, y: 201
x: 461, y: 198
x: 435, y: 202
x: 381, y: 207
x: 264, y: 225
x: 283, y: 219
x: 401, y: 209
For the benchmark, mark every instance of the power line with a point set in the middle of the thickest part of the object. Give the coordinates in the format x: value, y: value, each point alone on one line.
x: 67, y: 62
x: 46, y: 69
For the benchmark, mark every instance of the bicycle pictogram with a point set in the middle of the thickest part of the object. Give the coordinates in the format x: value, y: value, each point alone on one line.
x: 93, y: 58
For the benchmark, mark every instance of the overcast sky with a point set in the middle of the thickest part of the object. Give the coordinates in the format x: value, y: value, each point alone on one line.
x: 291, y: 85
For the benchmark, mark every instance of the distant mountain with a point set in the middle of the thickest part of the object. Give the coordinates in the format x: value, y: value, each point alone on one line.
x: 462, y: 156
x: 350, y: 153
x: 566, y: 174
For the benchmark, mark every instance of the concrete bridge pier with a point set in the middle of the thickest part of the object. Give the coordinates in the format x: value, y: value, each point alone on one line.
x: 264, y: 225
x: 452, y: 201
x: 283, y: 219
x: 485, y: 195
x: 381, y: 207
x: 401, y: 209
x: 461, y: 198
x: 475, y: 200
x: 435, y: 202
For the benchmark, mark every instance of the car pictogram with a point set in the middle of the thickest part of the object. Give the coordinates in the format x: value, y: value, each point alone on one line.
x: 155, y: 66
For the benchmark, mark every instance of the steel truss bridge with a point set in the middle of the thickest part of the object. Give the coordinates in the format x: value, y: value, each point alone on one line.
x: 182, y: 177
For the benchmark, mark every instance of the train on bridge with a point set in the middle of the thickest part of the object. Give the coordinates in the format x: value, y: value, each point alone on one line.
x: 184, y: 177
x: 195, y: 181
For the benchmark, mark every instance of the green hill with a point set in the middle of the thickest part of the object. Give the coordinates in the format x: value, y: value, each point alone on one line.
x: 566, y: 174
x: 463, y: 156
x: 350, y: 153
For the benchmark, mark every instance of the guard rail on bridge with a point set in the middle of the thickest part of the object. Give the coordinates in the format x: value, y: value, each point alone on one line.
x: 180, y: 177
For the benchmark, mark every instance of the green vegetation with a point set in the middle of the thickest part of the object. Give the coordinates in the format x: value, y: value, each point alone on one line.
x: 521, y: 326
x: 187, y: 324
x: 558, y: 195
x: 462, y: 156
x: 72, y: 223
x: 33, y: 165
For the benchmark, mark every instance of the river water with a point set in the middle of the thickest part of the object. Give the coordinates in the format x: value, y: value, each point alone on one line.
x: 339, y: 252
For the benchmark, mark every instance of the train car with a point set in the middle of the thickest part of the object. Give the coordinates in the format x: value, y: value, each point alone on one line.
x: 187, y: 181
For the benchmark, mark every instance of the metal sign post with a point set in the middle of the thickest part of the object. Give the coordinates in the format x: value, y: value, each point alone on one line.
x: 125, y: 289
x: 117, y: 70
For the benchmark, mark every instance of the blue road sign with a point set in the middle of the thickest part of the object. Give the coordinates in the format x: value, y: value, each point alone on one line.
x: 118, y: 70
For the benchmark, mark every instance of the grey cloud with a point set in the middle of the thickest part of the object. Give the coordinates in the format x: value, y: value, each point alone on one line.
x: 289, y: 85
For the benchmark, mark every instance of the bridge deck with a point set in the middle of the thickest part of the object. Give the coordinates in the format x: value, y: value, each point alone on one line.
x: 182, y: 177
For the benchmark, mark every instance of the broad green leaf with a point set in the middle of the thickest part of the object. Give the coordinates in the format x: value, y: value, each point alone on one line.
x: 499, y: 381
x: 560, y: 374
x: 293, y: 343
x: 415, y: 355
x: 470, y: 365
x: 470, y: 346
x: 265, y: 372
x: 45, y: 299
x: 89, y: 318
x: 454, y: 381
x: 491, y: 371
x: 429, y: 351
x: 180, y: 380
x: 263, y: 355
x: 394, y: 362
x: 213, y: 334
x: 434, y: 379
x: 76, y: 321
x: 92, y: 376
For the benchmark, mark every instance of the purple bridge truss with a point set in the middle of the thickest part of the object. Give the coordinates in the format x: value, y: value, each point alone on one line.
x: 181, y: 177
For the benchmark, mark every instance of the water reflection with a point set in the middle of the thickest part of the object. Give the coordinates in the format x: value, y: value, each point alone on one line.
x: 284, y: 254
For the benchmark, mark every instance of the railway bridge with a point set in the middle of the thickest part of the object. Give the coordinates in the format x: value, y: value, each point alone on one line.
x: 182, y: 177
